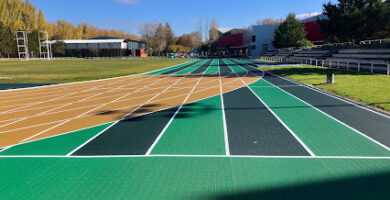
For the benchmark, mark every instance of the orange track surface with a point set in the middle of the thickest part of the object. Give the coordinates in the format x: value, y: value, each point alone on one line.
x: 36, y: 113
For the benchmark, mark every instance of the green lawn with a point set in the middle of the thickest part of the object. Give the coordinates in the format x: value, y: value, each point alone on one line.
x: 369, y: 89
x: 62, y: 71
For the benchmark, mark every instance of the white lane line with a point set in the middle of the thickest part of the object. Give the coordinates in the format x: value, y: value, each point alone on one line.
x: 334, y: 96
x: 82, y: 107
x: 225, y: 131
x: 124, y: 117
x: 203, y: 156
x: 173, y: 117
x: 124, y: 79
x: 66, y: 84
x: 67, y: 96
x: 130, y: 106
x: 102, y: 105
x: 115, y: 121
x: 326, y: 114
x: 308, y: 150
x: 41, y: 114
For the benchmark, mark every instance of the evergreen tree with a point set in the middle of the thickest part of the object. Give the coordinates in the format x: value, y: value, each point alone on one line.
x: 290, y: 33
x: 356, y: 20
x: 169, y: 35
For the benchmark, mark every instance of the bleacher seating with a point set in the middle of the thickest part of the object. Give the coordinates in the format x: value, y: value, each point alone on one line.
x: 311, y: 54
x: 370, y: 60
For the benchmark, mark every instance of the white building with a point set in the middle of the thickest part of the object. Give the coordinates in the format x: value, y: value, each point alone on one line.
x: 261, y: 38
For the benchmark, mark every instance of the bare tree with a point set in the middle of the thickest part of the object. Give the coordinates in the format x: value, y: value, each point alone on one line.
x: 200, y: 31
x: 269, y: 21
x: 214, y: 34
x: 147, y: 31
x: 206, y: 31
x: 160, y: 39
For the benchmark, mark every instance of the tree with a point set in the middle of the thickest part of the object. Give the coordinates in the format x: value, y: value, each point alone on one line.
x: 290, y: 33
x: 169, y: 35
x: 159, y: 39
x: 214, y: 34
x: 41, y: 21
x: 355, y: 20
x: 7, y: 41
x: 269, y: 21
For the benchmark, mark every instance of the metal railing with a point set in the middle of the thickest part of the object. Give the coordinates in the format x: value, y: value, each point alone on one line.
x: 349, y: 65
x: 379, y: 41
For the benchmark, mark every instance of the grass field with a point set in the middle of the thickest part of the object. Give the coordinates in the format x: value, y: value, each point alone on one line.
x: 63, y: 71
x: 369, y: 89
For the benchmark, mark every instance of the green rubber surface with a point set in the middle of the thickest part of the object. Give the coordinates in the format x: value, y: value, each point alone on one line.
x: 214, y: 67
x: 192, y: 68
x: 196, y: 130
x: 193, y: 178
x: 59, y: 145
x: 236, y: 69
x: 322, y: 134
x: 169, y: 68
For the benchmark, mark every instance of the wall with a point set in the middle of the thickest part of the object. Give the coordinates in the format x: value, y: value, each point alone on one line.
x: 264, y: 35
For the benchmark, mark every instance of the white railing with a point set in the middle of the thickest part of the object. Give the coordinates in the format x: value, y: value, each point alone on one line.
x: 379, y: 41
x: 355, y: 65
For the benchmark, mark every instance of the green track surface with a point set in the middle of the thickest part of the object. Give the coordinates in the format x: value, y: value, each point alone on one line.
x: 214, y: 67
x: 236, y: 69
x: 193, y: 178
x: 59, y: 145
x: 169, y: 68
x: 192, y: 68
x: 322, y: 134
x: 196, y: 130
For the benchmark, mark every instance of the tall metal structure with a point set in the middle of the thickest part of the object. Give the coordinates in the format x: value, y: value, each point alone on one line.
x: 22, y: 44
x: 44, y: 45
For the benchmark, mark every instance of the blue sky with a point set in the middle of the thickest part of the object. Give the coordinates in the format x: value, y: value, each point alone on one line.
x: 182, y: 15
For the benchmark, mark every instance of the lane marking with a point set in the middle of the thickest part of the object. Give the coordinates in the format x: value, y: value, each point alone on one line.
x: 140, y: 106
x: 225, y: 131
x: 205, y: 156
x: 308, y: 150
x: 102, y: 105
x: 120, y: 108
x: 332, y: 95
x: 173, y: 117
x: 65, y: 84
x: 326, y: 114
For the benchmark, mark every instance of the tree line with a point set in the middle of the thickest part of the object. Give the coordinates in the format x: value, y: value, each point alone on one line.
x: 18, y: 15
x: 159, y: 39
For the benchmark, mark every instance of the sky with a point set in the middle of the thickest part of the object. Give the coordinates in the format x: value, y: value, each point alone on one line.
x: 182, y: 15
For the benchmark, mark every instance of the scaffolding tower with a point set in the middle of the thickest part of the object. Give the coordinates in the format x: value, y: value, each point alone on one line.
x: 44, y: 45
x: 22, y: 44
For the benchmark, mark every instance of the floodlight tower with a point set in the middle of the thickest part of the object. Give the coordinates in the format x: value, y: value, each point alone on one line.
x: 22, y: 44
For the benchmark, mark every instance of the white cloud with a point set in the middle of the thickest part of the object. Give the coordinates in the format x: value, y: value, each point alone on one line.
x: 127, y: 1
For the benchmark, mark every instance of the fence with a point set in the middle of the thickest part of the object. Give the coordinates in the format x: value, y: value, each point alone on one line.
x: 355, y: 65
x: 379, y: 41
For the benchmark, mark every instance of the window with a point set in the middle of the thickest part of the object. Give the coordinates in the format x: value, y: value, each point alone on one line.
x: 253, y: 38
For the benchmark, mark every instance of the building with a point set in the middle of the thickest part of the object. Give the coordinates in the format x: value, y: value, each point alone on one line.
x: 313, y: 29
x: 260, y: 37
x: 104, y: 47
x: 231, y: 41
